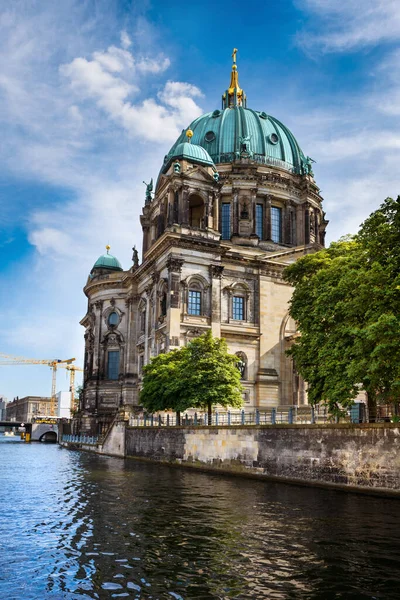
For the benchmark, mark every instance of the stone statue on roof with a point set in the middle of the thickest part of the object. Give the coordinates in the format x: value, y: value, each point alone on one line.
x: 135, y: 257
x: 149, y: 189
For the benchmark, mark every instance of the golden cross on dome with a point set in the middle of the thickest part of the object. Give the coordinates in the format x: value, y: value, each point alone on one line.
x: 235, y: 50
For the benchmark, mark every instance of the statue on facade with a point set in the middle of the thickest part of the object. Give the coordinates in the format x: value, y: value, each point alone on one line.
x: 241, y: 365
x: 177, y: 167
x: 149, y: 189
x: 135, y: 257
x: 216, y: 176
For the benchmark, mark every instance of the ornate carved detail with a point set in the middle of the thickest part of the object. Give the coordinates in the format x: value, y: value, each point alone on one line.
x: 195, y: 332
x: 216, y: 271
x: 174, y: 341
x: 155, y: 277
x: 112, y: 301
x: 99, y: 304
x: 175, y: 264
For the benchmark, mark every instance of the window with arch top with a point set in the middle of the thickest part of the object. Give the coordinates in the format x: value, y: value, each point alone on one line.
x: 113, y: 319
x: 194, y: 302
x: 238, y: 312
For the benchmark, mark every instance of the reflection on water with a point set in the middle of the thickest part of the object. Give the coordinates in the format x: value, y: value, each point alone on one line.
x: 76, y: 525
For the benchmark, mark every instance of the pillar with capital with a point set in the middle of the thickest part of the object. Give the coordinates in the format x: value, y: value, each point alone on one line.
x: 216, y: 272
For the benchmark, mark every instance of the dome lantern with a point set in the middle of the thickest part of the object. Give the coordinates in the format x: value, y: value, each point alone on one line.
x: 234, y: 95
x: 108, y: 262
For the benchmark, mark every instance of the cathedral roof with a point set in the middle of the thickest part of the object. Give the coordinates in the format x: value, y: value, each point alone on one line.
x: 237, y: 131
x: 188, y: 151
x: 107, y: 261
x: 222, y: 133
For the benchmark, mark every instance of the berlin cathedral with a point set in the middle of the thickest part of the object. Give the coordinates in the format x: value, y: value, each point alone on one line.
x: 235, y: 202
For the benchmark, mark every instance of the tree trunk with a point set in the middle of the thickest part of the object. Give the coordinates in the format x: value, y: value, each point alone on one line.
x: 178, y: 417
x: 209, y: 410
x: 371, y: 400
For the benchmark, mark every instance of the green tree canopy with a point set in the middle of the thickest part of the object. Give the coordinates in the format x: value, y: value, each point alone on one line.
x: 200, y: 375
x: 346, y: 303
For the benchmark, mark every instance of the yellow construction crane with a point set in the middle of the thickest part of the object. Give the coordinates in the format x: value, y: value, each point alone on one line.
x: 6, y: 359
x: 72, y: 370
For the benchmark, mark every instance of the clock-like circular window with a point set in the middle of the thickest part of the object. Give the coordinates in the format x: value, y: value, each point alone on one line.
x: 216, y: 113
x: 113, y: 319
x: 210, y: 136
x: 273, y: 138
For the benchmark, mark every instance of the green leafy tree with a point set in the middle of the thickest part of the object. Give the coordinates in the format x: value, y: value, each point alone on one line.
x: 200, y: 375
x: 163, y: 386
x: 346, y: 303
x: 211, y: 374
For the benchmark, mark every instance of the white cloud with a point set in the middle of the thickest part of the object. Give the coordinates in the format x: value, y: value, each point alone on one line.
x: 107, y: 79
x: 344, y: 26
x: 126, y: 41
x: 76, y: 132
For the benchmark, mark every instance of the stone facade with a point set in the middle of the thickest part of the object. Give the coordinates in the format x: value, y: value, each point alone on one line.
x: 216, y: 238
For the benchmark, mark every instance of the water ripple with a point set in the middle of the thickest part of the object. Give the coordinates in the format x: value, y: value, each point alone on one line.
x: 79, y: 526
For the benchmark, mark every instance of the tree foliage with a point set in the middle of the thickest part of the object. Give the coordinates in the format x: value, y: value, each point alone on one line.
x: 200, y: 375
x: 347, y: 305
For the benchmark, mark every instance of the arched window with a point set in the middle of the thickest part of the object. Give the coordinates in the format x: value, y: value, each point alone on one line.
x: 226, y: 221
x: 276, y: 224
x: 194, y: 302
x: 113, y: 319
x: 196, y: 211
x: 113, y: 364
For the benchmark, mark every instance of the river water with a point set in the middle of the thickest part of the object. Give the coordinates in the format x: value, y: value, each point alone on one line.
x: 77, y: 525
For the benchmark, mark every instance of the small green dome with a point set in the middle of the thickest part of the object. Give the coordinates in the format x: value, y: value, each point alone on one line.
x: 107, y: 261
x: 225, y: 134
x: 188, y: 151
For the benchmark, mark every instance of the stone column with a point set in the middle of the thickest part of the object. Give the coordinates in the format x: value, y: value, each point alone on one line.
x: 146, y: 326
x: 267, y: 222
x: 216, y: 209
x: 216, y: 272
x: 235, y: 228
x: 253, y: 210
x: 97, y: 349
x: 174, y: 265
x: 185, y: 206
x: 307, y: 225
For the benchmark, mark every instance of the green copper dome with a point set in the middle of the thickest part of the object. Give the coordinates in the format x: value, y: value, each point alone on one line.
x: 107, y: 261
x: 236, y: 132
x: 193, y: 152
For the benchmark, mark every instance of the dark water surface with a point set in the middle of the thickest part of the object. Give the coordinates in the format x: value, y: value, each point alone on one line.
x: 76, y: 525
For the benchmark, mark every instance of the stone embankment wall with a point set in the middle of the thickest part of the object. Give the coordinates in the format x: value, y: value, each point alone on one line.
x: 360, y: 457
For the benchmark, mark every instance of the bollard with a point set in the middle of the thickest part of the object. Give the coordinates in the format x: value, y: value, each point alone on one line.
x: 167, y: 420
x: 216, y: 417
x: 312, y: 415
x: 159, y: 420
x: 257, y: 416
x: 273, y: 416
x: 195, y: 418
x: 290, y: 415
x: 205, y: 418
x: 243, y: 419
x: 152, y: 420
x: 229, y: 417
x: 145, y: 420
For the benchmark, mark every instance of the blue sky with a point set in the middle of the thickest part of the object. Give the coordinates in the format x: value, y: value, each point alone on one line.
x: 94, y: 93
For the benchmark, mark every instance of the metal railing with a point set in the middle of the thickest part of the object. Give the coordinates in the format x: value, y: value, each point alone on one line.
x: 80, y: 439
x: 270, y: 416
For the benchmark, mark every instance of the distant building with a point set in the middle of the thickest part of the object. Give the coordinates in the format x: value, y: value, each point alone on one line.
x: 25, y: 409
x: 3, y: 405
x: 64, y: 405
